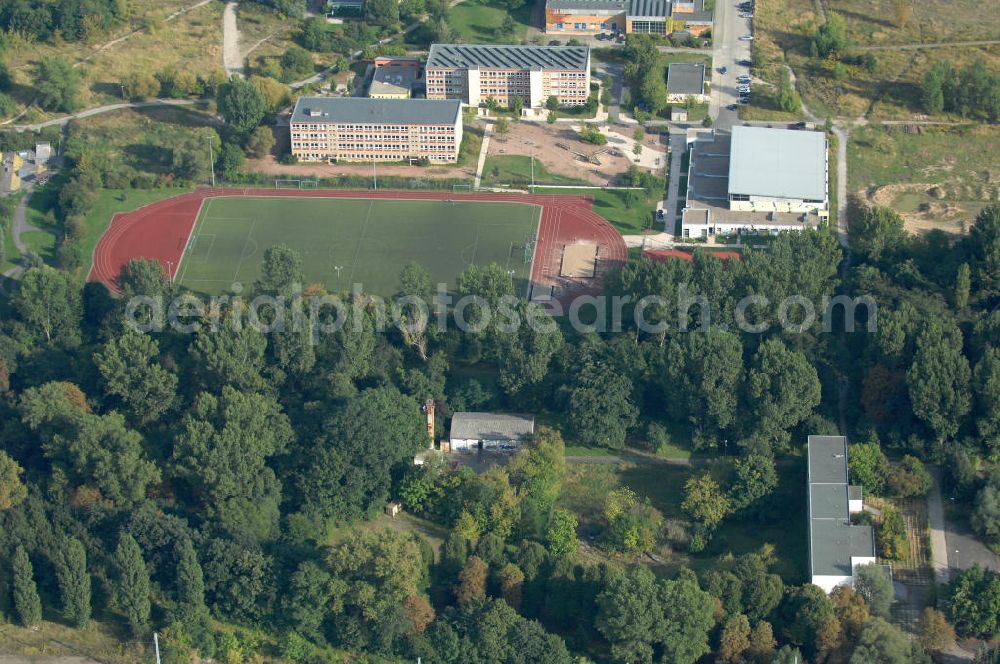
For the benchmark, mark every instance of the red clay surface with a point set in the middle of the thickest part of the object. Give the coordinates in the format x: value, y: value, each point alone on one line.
x: 160, y: 231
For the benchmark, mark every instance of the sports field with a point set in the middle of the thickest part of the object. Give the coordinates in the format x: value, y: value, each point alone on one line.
x: 345, y: 241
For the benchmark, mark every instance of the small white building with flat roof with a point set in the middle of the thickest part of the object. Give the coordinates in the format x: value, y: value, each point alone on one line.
x: 778, y: 170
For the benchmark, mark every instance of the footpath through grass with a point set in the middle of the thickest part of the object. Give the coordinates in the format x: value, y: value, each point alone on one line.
x: 356, y: 241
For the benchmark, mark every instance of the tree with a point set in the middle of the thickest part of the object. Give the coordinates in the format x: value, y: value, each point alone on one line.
x: 762, y: 643
x: 803, y: 609
x: 882, y: 642
x: 241, y: 104
x: 938, y: 380
x: 141, y: 85
x: 552, y: 103
x: 74, y: 582
x: 629, y: 613
x: 850, y: 609
x: 281, y: 270
x: 704, y: 375
x: 972, y: 601
x: 296, y: 63
x: 58, y: 84
x: 704, y: 500
x: 230, y: 161
x: 783, y: 388
x: 735, y: 639
x: 756, y: 477
x: 877, y: 233
x: 348, y: 474
x: 562, y: 533
x: 985, y: 517
x: 307, y: 601
x: 788, y: 98
x: 511, y: 585
x: 518, y: 105
x: 873, y: 583
x: 831, y: 37
x: 936, y: 634
x: 984, y: 247
x: 133, y: 584
x: 502, y: 127
x: 688, y: 616
x: 49, y: 302
x: 190, y: 581
x: 130, y: 371
x: 221, y: 454
x: 472, y: 581
x: 12, y: 489
x: 869, y: 467
x: 261, y: 142
x: 891, y: 534
x: 601, y: 397
x: 910, y: 478
x: 27, y: 604
x: 632, y: 525
x: 383, y: 13
x: 963, y: 285
x: 932, y: 87
x: 654, y: 91
x: 276, y: 95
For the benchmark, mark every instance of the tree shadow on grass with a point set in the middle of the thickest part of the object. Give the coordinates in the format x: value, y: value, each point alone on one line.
x: 150, y: 158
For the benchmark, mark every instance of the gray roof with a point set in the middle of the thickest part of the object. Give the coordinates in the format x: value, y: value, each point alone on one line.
x: 633, y: 8
x: 464, y: 56
x: 833, y: 541
x: 855, y: 492
x: 686, y: 78
x: 392, y: 79
x: 491, y: 426
x: 361, y: 110
x: 783, y: 163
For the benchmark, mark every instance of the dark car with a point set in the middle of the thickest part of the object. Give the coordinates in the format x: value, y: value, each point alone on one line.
x: 799, y: 125
x: 744, y: 63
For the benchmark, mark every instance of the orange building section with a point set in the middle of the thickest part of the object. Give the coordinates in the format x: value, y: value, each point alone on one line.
x: 593, y: 22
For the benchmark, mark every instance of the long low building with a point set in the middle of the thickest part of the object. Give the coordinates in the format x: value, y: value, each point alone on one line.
x: 490, y: 431
x: 474, y: 73
x: 836, y: 547
x: 657, y: 17
x: 755, y: 180
x: 363, y: 129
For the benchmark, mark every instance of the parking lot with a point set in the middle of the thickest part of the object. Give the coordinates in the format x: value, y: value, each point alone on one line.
x: 731, y: 57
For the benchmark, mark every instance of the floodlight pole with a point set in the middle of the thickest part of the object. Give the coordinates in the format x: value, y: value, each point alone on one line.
x: 374, y: 178
x: 211, y: 160
x: 156, y: 646
x: 532, y: 173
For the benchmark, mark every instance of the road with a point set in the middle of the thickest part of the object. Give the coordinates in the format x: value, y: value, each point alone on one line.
x: 231, y: 58
x: 726, y: 50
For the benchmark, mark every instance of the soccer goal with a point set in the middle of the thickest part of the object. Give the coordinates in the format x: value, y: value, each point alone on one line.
x: 308, y: 184
x: 461, y: 188
x: 288, y: 184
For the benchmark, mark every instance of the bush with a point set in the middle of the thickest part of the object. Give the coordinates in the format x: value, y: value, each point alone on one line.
x: 892, y: 534
x: 909, y: 478
x: 288, y: 159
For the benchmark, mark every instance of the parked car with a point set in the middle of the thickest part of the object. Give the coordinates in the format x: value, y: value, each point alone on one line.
x: 746, y: 15
x: 746, y: 38
x: 744, y: 63
x: 723, y: 70
x: 799, y: 125
x: 731, y: 107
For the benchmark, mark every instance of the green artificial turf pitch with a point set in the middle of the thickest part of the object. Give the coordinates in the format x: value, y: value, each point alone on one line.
x: 369, y: 240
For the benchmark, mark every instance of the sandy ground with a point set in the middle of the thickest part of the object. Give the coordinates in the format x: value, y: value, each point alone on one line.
x: 529, y: 138
x: 948, y: 216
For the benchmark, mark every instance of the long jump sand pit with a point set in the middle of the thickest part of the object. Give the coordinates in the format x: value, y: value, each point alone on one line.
x: 579, y: 261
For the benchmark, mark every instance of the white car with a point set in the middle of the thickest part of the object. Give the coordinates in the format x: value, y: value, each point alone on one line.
x: 746, y: 38
x: 746, y: 15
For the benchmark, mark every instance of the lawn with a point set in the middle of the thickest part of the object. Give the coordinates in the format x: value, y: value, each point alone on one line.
x: 109, y: 202
x: 629, y: 215
x: 355, y: 241
x: 781, y: 521
x: 516, y: 171
x: 479, y: 22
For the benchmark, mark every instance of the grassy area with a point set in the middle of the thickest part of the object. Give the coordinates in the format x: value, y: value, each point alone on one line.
x: 582, y: 451
x: 516, y: 170
x: 630, y: 217
x: 938, y: 178
x: 878, y: 21
x: 110, y: 202
x: 191, y: 41
x: 472, y: 143
x: 355, y: 241
x: 479, y: 22
x: 781, y: 521
x: 49, y: 640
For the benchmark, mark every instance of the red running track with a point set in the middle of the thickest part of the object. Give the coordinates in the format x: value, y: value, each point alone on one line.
x: 160, y: 231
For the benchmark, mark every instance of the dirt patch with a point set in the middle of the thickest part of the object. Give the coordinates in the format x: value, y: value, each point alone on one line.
x: 922, y: 210
x: 541, y: 140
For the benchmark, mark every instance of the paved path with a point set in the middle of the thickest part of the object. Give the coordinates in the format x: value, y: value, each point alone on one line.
x: 108, y: 108
x: 231, y: 58
x: 20, y: 225
x: 483, y: 150
x: 917, y: 47
x: 935, y: 514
